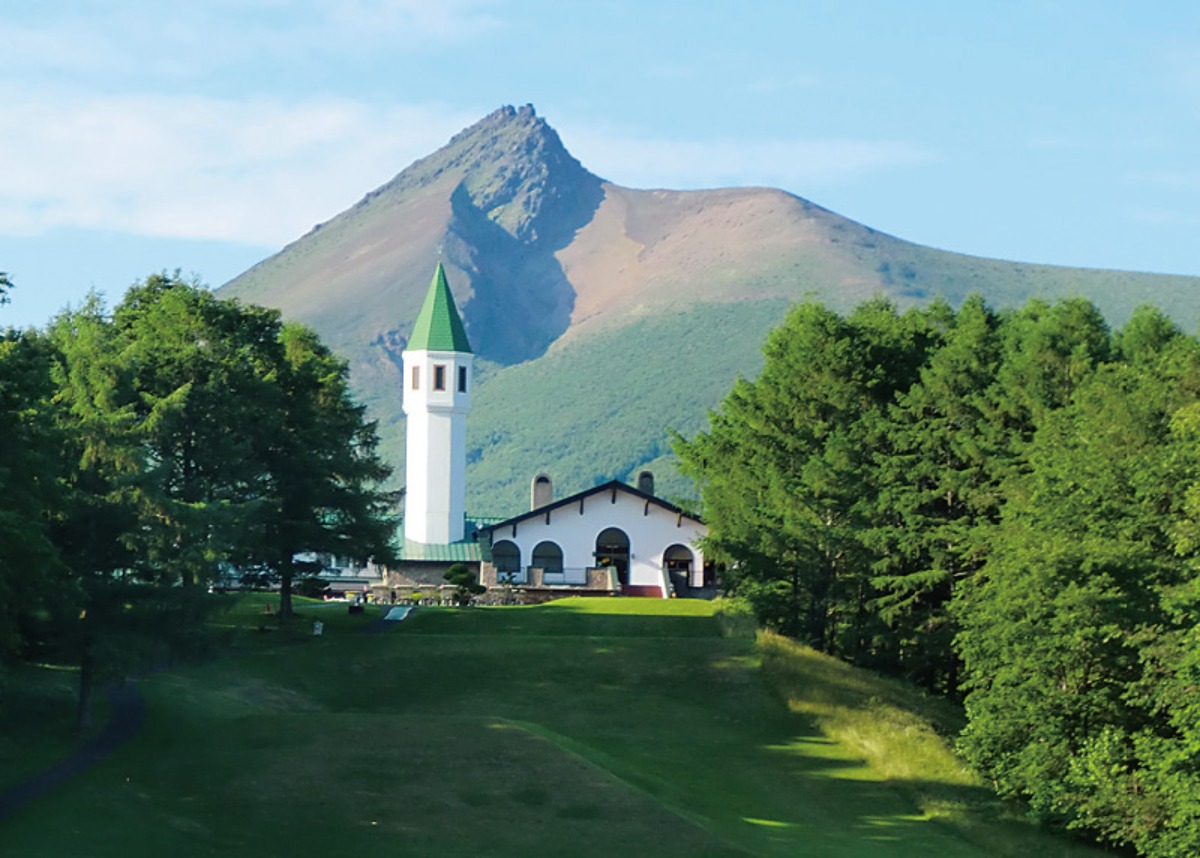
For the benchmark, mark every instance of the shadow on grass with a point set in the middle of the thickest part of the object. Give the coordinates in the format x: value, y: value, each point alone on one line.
x: 636, y: 739
x: 128, y: 715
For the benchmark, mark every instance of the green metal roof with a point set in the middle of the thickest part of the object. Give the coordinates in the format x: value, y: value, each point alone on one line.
x: 455, y: 552
x: 438, y: 327
x: 469, y: 550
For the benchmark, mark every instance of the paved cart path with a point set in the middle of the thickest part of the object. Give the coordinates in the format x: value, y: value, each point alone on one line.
x: 128, y: 716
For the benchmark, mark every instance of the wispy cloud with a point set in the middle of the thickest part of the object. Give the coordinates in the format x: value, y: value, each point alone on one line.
x: 256, y: 171
x: 793, y: 164
x: 144, y: 40
x: 264, y: 171
x: 445, y: 20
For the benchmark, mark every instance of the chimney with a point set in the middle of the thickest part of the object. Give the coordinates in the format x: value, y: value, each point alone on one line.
x: 646, y: 482
x: 541, y: 492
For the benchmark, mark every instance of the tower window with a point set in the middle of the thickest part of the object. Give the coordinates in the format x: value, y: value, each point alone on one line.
x: 462, y: 379
x: 439, y: 377
x: 416, y: 378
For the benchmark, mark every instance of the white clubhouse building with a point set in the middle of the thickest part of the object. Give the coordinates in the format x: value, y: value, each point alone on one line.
x: 613, y: 538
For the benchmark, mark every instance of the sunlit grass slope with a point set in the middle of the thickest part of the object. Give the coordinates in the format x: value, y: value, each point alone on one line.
x: 583, y: 727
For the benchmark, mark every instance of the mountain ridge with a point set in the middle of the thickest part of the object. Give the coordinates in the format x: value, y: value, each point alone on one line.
x: 548, y: 262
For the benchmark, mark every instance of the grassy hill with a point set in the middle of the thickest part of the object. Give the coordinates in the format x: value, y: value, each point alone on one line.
x: 584, y: 727
x: 598, y: 309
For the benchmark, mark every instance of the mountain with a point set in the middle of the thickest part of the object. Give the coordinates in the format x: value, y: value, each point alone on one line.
x: 603, y: 317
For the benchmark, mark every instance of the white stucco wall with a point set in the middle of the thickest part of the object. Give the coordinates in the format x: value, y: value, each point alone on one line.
x: 435, y: 455
x: 651, y: 530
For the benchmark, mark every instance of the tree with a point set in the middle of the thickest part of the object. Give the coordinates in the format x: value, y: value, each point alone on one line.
x: 256, y: 451
x: 466, y: 587
x: 200, y: 432
x: 1024, y: 488
x: 1055, y: 625
x: 322, y: 472
x: 5, y: 287
x: 938, y: 463
x: 201, y: 387
x: 1138, y: 783
x: 95, y: 527
x: 31, y: 474
x: 1047, y: 351
x: 783, y: 469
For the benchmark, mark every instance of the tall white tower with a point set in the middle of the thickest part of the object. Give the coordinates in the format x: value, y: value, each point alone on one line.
x: 437, y: 396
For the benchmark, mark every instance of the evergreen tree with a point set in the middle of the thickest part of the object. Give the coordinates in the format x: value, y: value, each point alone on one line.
x: 200, y: 372
x: 1053, y: 625
x: 321, y: 468
x: 31, y: 475
x: 783, y: 469
x: 200, y: 432
x: 98, y: 519
x: 938, y: 466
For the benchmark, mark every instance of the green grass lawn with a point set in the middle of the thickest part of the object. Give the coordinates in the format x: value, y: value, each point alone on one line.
x: 598, y: 727
x: 37, y: 718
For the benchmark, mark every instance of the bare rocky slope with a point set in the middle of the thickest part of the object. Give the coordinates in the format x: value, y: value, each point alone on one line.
x: 605, y: 316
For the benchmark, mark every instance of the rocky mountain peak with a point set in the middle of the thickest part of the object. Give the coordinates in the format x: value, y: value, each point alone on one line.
x: 514, y: 170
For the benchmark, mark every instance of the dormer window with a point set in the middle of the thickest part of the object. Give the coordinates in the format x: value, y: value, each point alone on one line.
x: 439, y: 377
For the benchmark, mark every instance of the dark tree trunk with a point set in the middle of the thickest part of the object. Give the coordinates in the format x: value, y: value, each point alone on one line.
x: 87, y: 683
x: 287, y: 571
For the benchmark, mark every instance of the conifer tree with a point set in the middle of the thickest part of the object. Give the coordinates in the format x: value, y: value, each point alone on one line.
x: 31, y: 474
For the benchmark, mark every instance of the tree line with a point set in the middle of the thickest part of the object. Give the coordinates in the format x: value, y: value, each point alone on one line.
x: 147, y: 449
x: 1003, y: 507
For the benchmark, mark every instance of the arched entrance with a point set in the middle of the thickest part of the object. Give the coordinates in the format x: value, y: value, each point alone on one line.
x: 612, y: 549
x: 678, y: 561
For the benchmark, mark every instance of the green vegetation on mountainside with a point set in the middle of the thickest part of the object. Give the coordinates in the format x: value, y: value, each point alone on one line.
x: 599, y: 407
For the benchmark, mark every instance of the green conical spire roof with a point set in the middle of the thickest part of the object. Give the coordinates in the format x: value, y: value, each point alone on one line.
x: 438, y: 327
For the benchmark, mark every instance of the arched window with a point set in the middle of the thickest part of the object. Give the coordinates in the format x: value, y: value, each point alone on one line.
x: 506, y: 556
x: 548, y: 557
x: 612, y: 549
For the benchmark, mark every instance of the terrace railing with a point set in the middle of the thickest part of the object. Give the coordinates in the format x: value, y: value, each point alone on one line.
x: 576, y: 577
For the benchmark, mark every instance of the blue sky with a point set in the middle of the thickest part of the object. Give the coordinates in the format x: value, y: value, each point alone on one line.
x: 143, y: 136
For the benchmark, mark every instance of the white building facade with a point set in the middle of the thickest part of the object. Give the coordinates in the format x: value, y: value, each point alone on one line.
x: 647, y: 546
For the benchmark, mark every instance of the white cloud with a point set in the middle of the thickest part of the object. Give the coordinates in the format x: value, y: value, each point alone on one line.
x: 784, y: 163
x: 257, y: 171
x: 264, y: 171
x: 151, y: 43
x: 445, y: 20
